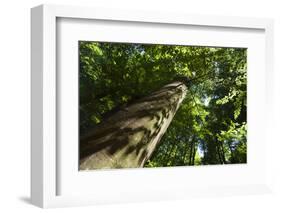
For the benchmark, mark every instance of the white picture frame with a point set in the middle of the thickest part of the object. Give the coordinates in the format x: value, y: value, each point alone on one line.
x: 45, y: 151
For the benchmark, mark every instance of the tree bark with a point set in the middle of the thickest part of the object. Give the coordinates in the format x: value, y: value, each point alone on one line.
x: 128, y: 138
x: 194, y: 152
x: 222, y: 153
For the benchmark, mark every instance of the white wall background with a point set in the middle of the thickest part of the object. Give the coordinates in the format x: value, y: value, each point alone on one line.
x: 15, y: 105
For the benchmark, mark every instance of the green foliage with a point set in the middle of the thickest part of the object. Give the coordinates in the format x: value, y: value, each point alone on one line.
x: 210, y: 125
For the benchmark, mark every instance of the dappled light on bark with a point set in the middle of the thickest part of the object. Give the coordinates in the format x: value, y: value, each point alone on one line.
x: 128, y: 138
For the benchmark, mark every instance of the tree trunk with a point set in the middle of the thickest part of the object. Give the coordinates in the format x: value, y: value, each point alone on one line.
x: 128, y: 138
x: 223, y: 153
x: 194, y: 152
x: 191, y: 153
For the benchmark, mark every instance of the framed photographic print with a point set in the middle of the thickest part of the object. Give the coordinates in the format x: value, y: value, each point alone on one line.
x: 130, y: 106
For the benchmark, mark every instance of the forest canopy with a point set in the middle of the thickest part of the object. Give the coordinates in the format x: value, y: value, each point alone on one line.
x: 210, y: 125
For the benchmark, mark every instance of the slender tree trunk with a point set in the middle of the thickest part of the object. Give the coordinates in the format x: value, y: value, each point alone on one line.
x: 129, y: 137
x: 194, y: 153
x: 219, y: 153
x: 186, y: 151
x: 191, y: 152
x: 223, y: 153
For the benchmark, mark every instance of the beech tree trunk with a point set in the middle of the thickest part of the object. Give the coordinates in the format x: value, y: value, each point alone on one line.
x: 128, y: 138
